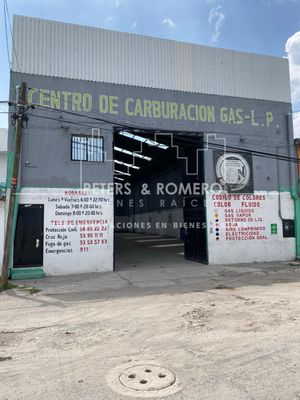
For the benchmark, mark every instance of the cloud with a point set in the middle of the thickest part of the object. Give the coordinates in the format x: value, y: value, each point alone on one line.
x: 169, y: 22
x: 133, y: 26
x: 216, y: 19
x: 292, y: 48
x: 296, y: 123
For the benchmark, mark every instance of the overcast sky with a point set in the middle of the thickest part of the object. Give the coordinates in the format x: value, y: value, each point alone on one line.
x: 260, y: 26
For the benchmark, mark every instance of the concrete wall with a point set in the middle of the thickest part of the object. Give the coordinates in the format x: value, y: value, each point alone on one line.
x: 242, y: 230
x: 78, y: 229
x: 243, y: 123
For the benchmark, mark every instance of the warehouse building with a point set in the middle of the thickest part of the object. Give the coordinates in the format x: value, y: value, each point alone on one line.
x: 138, y: 141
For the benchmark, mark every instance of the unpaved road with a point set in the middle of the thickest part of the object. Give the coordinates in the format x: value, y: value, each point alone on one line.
x: 226, y: 332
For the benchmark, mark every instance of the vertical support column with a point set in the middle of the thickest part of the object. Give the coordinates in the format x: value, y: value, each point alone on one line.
x: 13, y: 185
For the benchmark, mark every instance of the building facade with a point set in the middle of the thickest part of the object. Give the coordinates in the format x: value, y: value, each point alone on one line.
x: 208, y: 118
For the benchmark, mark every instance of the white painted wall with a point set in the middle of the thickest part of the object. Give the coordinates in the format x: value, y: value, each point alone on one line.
x: 73, y: 259
x: 272, y: 247
x: 265, y: 246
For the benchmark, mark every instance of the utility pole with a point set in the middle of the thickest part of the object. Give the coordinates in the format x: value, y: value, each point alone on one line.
x: 21, y: 106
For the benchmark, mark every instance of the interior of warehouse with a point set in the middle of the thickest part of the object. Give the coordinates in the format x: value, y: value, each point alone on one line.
x: 155, y: 175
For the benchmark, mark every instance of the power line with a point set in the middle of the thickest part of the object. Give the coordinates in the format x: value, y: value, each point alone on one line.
x: 109, y: 130
x: 67, y: 122
x: 125, y: 123
x: 118, y: 121
x: 125, y: 126
x: 210, y: 144
x: 258, y: 153
x: 96, y: 119
x: 65, y: 101
x: 128, y: 125
x: 102, y: 120
x: 6, y: 33
x: 11, y: 33
x: 7, y: 17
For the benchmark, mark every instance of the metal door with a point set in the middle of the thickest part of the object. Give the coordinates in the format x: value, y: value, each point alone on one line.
x: 28, y: 245
x: 195, y: 241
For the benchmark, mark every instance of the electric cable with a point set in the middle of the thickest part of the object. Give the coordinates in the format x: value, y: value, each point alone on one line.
x: 210, y: 144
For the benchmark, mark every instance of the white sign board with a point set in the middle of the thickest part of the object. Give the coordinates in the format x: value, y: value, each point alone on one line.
x: 248, y: 228
x: 78, y: 229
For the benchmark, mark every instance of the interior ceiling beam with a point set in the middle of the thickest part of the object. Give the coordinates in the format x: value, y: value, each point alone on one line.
x: 139, y: 162
x: 179, y: 139
x: 135, y: 146
x: 161, y: 158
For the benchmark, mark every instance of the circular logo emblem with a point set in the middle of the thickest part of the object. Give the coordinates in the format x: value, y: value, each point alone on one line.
x: 233, y: 171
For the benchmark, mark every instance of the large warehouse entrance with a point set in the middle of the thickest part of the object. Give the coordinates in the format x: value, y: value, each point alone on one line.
x: 159, y: 199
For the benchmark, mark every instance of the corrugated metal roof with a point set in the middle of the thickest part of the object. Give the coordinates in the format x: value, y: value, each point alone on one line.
x: 79, y: 52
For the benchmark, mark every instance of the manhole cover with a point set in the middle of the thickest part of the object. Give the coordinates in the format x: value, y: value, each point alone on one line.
x: 147, y: 377
x: 143, y: 379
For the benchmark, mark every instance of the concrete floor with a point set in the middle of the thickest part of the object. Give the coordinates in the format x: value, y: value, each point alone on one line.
x: 139, y: 251
x: 227, y: 332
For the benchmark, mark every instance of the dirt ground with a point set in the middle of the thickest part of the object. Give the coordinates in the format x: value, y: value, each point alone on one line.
x: 225, y: 332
